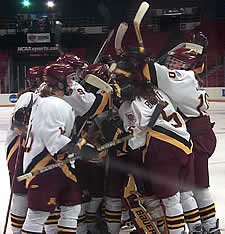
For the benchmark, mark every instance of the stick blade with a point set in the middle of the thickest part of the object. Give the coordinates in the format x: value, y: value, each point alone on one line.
x: 119, y: 36
x: 140, y: 13
x: 137, y: 21
x: 98, y: 83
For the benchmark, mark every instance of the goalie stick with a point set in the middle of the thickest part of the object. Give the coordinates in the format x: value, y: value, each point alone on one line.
x: 137, y: 22
x: 98, y: 83
x: 119, y: 37
x: 155, y: 115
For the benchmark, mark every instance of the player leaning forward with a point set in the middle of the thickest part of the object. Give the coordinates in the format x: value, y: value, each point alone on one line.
x: 50, y: 130
x: 168, y: 158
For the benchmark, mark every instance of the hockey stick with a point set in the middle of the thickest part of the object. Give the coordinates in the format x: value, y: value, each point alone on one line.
x: 119, y: 37
x: 47, y: 168
x: 106, y: 42
x: 137, y: 22
x: 155, y: 115
x: 13, y: 180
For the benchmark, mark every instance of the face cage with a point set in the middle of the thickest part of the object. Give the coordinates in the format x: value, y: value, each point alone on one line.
x: 173, y: 63
x: 72, y: 76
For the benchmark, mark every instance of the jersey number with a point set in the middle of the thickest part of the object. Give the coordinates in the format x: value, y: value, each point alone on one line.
x: 203, y: 101
x: 171, y: 117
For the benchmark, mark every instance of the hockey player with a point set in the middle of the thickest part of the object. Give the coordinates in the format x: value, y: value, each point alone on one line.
x: 85, y: 105
x: 182, y: 84
x: 15, y: 145
x: 50, y: 128
x: 168, y: 145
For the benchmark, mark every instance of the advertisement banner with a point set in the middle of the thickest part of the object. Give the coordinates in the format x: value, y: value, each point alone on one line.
x: 41, y: 49
x: 38, y: 38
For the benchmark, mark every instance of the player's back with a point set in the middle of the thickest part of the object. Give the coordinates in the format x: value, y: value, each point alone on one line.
x: 183, y: 89
x: 137, y: 114
x: 51, y: 124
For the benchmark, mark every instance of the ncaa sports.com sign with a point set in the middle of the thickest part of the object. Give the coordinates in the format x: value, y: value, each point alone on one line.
x: 41, y: 49
x: 38, y: 37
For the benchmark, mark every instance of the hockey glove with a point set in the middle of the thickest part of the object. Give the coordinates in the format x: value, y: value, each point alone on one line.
x: 97, y: 140
x: 85, y: 150
x: 111, y: 129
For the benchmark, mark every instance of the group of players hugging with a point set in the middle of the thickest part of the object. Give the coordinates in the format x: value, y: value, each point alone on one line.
x: 155, y: 172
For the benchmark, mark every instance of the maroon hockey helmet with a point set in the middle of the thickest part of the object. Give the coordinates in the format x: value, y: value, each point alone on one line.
x: 34, y: 76
x: 57, y: 72
x: 99, y: 69
x: 189, y: 55
x: 72, y: 60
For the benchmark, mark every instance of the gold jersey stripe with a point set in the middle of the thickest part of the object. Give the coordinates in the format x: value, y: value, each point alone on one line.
x: 38, y: 166
x: 14, y: 148
x: 146, y: 72
x: 172, y: 141
x: 105, y: 98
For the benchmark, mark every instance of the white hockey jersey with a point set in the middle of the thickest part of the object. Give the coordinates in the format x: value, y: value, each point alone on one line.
x: 80, y: 100
x: 169, y: 127
x: 183, y: 90
x: 50, y: 127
